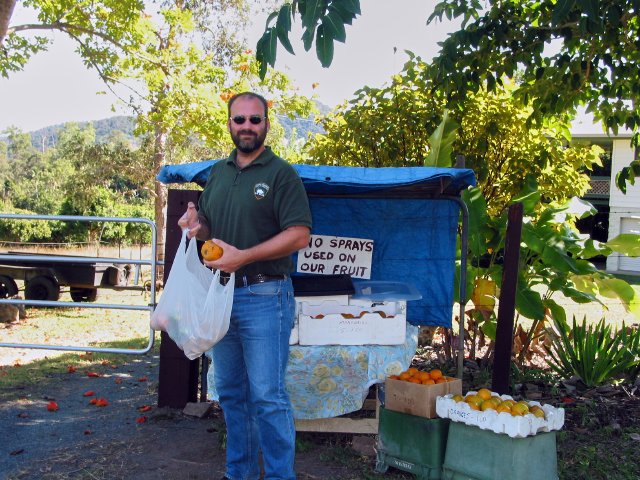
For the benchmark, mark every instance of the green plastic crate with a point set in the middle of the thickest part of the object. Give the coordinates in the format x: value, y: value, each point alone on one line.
x: 412, y: 444
x: 476, y: 454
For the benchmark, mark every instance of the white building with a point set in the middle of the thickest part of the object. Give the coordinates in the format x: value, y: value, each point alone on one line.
x: 621, y: 211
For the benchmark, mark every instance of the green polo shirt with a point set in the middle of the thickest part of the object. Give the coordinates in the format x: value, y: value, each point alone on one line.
x: 248, y: 206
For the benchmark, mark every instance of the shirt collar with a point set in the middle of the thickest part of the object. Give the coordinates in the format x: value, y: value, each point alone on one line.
x: 262, y: 159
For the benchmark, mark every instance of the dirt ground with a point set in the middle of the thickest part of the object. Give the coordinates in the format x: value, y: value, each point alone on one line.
x: 130, y: 438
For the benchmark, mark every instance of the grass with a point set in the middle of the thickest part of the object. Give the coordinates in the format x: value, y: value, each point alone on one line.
x: 14, y: 379
x: 608, y: 454
x: 77, y: 327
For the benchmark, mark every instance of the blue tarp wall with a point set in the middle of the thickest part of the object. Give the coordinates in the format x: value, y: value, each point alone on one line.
x: 410, y: 213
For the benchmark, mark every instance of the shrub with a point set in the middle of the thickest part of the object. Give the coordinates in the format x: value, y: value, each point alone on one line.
x: 594, y: 353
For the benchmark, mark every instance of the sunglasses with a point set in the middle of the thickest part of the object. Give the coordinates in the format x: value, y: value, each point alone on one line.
x: 254, y: 119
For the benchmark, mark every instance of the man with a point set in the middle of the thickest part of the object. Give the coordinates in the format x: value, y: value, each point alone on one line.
x: 255, y: 207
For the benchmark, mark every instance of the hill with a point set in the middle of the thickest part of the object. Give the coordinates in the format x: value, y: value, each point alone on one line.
x: 123, y: 126
x: 105, y: 128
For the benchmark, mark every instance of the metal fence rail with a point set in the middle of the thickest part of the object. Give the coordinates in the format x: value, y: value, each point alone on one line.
x: 152, y: 262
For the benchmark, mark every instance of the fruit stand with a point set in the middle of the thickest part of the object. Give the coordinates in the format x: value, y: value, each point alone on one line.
x: 411, y: 216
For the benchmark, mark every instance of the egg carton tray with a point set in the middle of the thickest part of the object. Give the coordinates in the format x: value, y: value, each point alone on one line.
x: 501, y: 422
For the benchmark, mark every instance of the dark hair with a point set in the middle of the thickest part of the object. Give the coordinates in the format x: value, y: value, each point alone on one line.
x: 249, y: 95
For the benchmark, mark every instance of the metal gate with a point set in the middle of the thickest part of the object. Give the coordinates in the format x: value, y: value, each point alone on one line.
x: 152, y: 262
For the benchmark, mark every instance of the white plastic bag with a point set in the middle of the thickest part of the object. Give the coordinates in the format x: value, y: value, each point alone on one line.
x: 194, y: 308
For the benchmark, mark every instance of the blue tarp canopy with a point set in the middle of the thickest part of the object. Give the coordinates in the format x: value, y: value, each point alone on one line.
x: 410, y: 213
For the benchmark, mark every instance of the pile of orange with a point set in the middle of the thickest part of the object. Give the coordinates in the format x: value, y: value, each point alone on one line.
x: 484, y: 399
x: 430, y: 377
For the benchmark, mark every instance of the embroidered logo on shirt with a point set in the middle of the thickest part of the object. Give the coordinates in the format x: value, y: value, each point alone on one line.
x: 260, y: 190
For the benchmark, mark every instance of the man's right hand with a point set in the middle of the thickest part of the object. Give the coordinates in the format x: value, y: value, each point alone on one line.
x: 190, y: 220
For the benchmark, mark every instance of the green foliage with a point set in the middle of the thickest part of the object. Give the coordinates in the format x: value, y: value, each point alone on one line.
x: 594, y: 353
x: 322, y: 20
x: 441, y: 142
x: 566, y: 53
x: 16, y: 230
x: 387, y: 126
x: 103, y: 31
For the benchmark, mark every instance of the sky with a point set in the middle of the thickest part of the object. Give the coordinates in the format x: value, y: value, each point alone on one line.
x: 55, y: 87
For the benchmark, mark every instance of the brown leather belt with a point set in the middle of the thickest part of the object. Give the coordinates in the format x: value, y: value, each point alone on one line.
x: 246, y: 280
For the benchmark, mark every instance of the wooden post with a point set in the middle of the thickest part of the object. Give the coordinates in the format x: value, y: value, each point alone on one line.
x: 178, y: 376
x: 507, y: 304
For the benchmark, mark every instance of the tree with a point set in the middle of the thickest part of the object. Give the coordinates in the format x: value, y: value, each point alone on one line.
x: 180, y: 61
x: 104, y: 31
x: 185, y: 89
x: 566, y: 53
x: 390, y: 126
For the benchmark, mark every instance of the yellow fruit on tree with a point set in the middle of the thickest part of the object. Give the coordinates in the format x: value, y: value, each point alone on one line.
x: 484, y: 293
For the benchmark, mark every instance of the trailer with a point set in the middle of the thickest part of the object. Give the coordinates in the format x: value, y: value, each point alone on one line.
x: 44, y: 275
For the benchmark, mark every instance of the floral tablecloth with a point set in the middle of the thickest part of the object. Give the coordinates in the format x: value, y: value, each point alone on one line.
x: 328, y: 381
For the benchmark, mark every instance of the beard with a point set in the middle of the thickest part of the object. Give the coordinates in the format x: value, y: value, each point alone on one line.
x: 249, y: 145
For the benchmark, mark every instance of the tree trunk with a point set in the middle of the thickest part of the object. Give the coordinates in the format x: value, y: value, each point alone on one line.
x: 159, y: 150
x: 6, y: 10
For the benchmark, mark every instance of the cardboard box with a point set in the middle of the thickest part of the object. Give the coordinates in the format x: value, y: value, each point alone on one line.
x: 417, y: 399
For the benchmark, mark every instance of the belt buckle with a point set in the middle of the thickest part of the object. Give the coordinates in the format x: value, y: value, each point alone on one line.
x: 259, y: 278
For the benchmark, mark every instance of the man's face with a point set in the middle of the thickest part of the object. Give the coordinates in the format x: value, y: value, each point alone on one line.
x: 248, y: 137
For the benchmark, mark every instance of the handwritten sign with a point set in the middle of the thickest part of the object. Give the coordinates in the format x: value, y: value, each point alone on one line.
x: 326, y: 255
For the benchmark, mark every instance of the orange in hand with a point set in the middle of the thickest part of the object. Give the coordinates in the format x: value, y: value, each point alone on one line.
x: 211, y: 251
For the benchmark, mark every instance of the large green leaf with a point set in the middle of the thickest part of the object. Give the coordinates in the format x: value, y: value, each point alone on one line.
x: 529, y: 195
x: 558, y: 313
x: 561, y: 10
x: 312, y: 13
x: 611, y: 287
x: 283, y: 27
x: 477, y: 206
x: 626, y: 243
x: 555, y: 255
x: 529, y: 303
x: 531, y: 237
x: 334, y: 26
x: 352, y: 6
x: 441, y: 142
x: 580, y: 208
x: 324, y: 46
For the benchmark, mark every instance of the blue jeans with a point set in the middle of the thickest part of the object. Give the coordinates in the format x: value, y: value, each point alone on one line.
x: 250, y: 363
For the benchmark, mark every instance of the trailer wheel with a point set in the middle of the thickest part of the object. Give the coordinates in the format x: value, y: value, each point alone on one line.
x: 42, y: 288
x: 8, y: 287
x: 84, y: 294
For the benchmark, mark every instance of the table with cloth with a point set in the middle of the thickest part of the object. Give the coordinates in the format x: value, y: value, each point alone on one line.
x: 326, y: 381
